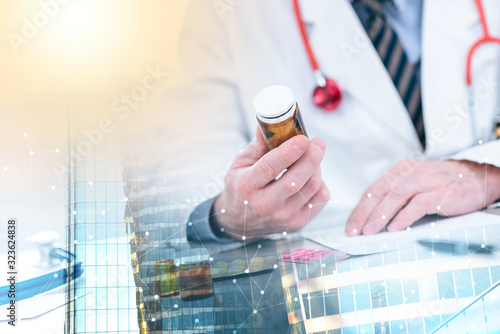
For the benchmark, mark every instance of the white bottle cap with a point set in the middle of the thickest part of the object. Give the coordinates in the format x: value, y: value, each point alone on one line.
x: 274, y: 104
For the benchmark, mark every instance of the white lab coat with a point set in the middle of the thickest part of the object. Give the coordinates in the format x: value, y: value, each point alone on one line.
x: 229, y: 53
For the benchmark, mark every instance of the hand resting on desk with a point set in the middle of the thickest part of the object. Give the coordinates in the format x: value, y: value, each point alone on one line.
x: 413, y: 189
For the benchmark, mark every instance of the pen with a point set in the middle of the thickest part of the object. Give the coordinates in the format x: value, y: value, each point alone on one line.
x: 456, y: 247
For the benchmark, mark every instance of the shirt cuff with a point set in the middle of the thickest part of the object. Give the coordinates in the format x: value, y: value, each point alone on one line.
x: 198, y: 227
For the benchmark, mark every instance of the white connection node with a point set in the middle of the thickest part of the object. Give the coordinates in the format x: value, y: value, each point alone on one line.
x: 480, y: 141
x: 486, y: 159
x: 210, y: 259
x: 308, y: 297
x: 438, y: 207
x: 176, y: 306
x: 234, y: 281
x: 31, y: 152
x: 433, y: 224
x: 326, y: 291
x: 247, y: 271
x: 310, y: 206
x: 25, y: 134
x: 254, y: 311
x: 368, y: 195
x: 243, y: 238
x: 262, y: 292
x: 296, y: 299
x: 188, y: 200
x: 222, y: 229
x: 125, y: 199
x: 275, y: 266
x: 75, y: 242
x: 146, y: 233
x: 91, y: 237
x: 57, y: 150
x: 335, y: 200
x: 323, y: 265
x: 483, y: 245
x: 53, y: 187
x: 433, y: 253
x: 245, y: 202
x: 384, y: 245
x: 74, y: 212
x: 222, y: 211
x: 384, y: 217
x: 91, y: 183
x: 153, y: 319
x: 412, y: 290
x: 156, y: 296
x: 400, y: 326
x: 293, y: 184
x: 103, y: 212
x: 408, y: 228
x: 284, y: 233
x: 55, y: 275
x: 355, y: 230
x: 5, y: 168
x: 436, y: 236
x: 460, y: 175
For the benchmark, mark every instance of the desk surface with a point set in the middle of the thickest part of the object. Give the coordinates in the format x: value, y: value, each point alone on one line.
x: 410, y: 290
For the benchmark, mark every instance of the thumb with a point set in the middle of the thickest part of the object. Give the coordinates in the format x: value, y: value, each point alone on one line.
x: 254, y: 151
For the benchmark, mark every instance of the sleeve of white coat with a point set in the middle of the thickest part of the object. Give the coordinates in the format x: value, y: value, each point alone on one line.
x: 199, y: 127
x: 488, y: 153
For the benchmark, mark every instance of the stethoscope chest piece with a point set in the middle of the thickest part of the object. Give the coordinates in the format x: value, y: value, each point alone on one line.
x: 328, y: 96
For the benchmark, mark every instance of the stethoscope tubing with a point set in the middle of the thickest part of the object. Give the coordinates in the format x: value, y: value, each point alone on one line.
x: 41, y: 284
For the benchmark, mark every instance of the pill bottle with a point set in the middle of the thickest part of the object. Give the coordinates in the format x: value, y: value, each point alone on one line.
x: 167, y: 278
x: 196, y: 281
x: 278, y: 115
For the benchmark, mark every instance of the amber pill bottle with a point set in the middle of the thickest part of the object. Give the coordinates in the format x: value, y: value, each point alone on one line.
x: 278, y: 115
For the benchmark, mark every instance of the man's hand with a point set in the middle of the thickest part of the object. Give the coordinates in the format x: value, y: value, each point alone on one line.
x: 413, y: 189
x: 254, y: 205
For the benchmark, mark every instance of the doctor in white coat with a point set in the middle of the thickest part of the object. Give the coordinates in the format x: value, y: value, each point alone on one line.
x: 367, y: 168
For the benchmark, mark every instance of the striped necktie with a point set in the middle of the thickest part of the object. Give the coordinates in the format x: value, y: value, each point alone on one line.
x: 405, y: 75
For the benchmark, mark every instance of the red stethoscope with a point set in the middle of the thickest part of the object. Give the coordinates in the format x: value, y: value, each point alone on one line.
x: 487, y: 38
x: 328, y: 94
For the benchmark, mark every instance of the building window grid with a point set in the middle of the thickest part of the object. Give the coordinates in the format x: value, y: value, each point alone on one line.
x: 420, y: 287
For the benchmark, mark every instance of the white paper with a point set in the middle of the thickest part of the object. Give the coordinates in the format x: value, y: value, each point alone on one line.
x: 473, y: 228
